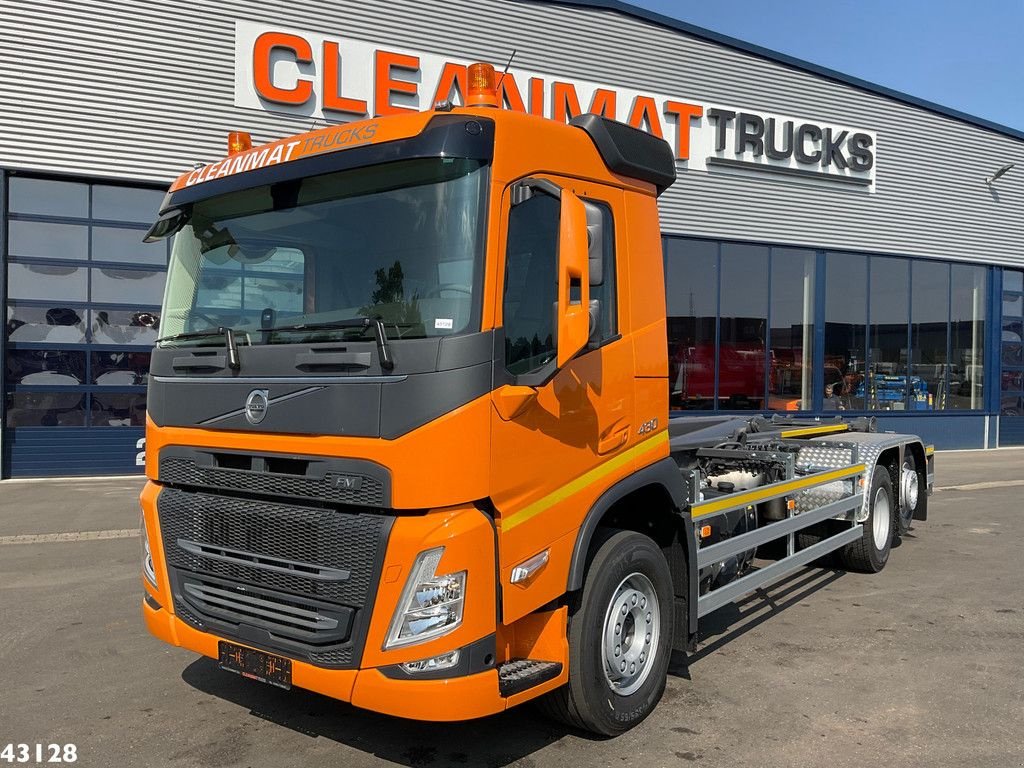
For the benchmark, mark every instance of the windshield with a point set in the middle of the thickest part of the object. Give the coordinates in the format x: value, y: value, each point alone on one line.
x: 290, y: 261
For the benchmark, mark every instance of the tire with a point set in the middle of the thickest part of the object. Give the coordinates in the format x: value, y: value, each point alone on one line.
x: 626, y: 567
x: 816, y: 533
x: 912, y: 493
x: 808, y: 537
x: 871, y: 552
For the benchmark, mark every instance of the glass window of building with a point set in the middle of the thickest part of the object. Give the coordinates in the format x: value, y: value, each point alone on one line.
x: 45, y: 197
x: 929, y: 335
x: 83, y: 296
x: 113, y: 203
x: 743, y: 325
x: 846, y: 316
x: 1011, y: 394
x: 899, y: 334
x: 124, y: 245
x: 47, y: 240
x: 885, y: 387
x: 691, y: 285
x: 968, y: 307
x: 791, y: 337
x: 44, y: 281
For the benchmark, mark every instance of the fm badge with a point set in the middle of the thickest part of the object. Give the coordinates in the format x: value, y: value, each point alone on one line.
x: 256, y: 405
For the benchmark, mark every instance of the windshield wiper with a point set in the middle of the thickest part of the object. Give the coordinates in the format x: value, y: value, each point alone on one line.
x: 380, y: 331
x: 229, y: 342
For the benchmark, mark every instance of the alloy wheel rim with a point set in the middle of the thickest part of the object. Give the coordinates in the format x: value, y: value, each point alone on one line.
x: 629, y: 640
x: 911, y: 489
x: 881, y: 518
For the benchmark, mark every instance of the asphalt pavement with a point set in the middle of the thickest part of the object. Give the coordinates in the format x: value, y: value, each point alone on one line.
x: 920, y: 665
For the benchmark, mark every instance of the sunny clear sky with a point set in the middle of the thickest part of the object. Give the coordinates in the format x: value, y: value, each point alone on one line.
x: 963, y: 54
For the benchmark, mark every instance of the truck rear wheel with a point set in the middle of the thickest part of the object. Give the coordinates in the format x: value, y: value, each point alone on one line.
x: 871, y: 552
x: 910, y: 493
x: 620, y: 638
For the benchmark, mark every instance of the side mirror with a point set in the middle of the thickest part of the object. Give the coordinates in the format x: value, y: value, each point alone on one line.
x: 573, y: 278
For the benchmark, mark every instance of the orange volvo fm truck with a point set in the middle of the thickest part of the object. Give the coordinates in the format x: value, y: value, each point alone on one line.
x: 409, y: 444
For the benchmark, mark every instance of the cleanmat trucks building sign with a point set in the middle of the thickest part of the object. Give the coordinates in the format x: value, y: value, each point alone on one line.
x: 338, y: 79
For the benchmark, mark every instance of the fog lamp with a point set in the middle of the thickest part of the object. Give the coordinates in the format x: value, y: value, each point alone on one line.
x: 433, y: 664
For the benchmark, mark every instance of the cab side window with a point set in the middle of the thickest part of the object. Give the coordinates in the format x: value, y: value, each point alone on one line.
x: 602, y: 282
x: 531, y: 284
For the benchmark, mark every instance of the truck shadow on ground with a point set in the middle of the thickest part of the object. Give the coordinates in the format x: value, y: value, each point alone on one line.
x: 734, y: 620
x: 495, y: 741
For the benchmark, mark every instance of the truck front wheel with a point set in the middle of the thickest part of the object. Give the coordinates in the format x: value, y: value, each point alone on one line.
x: 620, y: 638
x: 870, y: 553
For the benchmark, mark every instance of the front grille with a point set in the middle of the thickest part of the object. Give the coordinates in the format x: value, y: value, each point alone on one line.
x: 315, y: 623
x: 293, y: 579
x: 261, y: 608
x: 329, y: 485
x: 203, y: 532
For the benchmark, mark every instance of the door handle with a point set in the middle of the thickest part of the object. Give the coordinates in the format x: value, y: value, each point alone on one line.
x: 616, y: 439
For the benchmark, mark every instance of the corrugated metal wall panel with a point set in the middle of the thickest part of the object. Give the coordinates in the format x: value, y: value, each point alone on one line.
x: 140, y: 90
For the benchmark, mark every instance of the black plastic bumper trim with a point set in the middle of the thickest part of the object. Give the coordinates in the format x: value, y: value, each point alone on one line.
x: 473, y: 658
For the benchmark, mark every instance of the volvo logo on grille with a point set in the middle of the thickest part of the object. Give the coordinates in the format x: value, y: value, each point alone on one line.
x: 256, y: 405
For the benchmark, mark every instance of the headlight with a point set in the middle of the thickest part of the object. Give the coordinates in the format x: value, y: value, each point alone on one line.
x: 147, y: 558
x: 430, y: 605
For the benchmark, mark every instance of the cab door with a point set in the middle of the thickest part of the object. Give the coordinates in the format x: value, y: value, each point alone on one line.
x: 560, y: 435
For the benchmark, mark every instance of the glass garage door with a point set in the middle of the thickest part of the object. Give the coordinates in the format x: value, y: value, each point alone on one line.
x: 82, y: 313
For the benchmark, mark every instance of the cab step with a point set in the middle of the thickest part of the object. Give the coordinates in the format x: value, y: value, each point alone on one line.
x: 518, y: 675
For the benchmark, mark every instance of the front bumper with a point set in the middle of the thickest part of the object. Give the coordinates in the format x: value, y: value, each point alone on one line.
x: 448, y: 699
x: 468, y: 540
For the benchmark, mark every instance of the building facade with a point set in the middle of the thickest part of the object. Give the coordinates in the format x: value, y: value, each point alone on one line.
x: 830, y: 245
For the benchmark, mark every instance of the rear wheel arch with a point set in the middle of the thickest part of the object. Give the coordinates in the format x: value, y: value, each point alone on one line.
x: 890, y: 459
x: 916, y: 449
x: 870, y: 552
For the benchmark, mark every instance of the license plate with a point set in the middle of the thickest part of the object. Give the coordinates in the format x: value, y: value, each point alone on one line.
x: 256, y: 665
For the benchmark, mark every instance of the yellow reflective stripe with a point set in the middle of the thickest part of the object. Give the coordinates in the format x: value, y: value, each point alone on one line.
x: 759, y: 494
x: 929, y: 450
x: 824, y: 429
x: 581, y: 482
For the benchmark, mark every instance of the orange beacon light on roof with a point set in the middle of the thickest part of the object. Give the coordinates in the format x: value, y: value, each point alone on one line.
x: 482, y: 90
x: 239, y: 141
